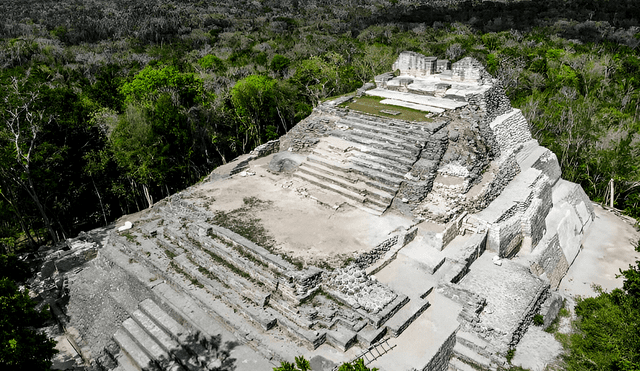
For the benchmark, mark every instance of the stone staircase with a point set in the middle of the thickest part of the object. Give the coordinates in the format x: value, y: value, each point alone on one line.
x: 152, y: 340
x: 472, y: 353
x: 365, y: 160
x: 204, y: 264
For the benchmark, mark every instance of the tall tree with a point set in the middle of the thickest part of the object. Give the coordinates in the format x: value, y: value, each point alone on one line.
x: 19, y: 137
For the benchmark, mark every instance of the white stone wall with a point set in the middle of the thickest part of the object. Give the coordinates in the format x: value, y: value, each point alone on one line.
x: 510, y: 129
x: 415, y: 64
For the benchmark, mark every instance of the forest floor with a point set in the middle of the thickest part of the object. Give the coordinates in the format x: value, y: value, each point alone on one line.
x: 608, y: 247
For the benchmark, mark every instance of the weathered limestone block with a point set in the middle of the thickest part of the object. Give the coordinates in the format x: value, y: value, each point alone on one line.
x: 511, y: 130
x: 506, y: 237
x: 381, y: 80
x: 574, y: 195
x: 569, y: 232
x: 550, y: 308
x: 266, y: 149
x: 468, y: 69
x: 415, y: 64
x: 443, y: 65
x: 550, y: 262
x: 451, y: 231
x: 533, y: 219
x: 285, y: 162
x: 548, y: 164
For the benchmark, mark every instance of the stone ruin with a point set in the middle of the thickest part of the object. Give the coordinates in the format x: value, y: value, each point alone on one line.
x: 415, y: 245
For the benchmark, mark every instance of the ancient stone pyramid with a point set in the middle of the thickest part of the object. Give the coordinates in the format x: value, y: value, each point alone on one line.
x: 420, y: 243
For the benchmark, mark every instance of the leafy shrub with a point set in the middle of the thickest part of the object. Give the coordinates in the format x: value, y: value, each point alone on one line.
x: 213, y: 63
x: 538, y: 320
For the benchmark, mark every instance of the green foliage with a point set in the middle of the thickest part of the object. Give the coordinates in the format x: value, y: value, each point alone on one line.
x: 213, y: 63
x: 149, y: 83
x: 510, y: 354
x: 301, y: 364
x: 608, y: 328
x: 538, y: 320
x: 21, y: 346
x: 14, y: 268
x: 357, y: 365
x: 279, y: 63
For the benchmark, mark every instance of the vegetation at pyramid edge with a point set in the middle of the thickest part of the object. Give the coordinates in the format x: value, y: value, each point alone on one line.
x: 108, y: 107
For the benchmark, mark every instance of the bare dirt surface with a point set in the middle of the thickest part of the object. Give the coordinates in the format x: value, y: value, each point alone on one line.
x: 607, y: 248
x: 301, y: 226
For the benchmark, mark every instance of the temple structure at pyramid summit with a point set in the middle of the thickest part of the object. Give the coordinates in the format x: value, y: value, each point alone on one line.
x: 415, y: 224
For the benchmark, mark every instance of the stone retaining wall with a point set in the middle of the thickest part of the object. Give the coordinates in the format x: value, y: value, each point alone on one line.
x: 440, y: 361
x: 550, y: 261
x: 511, y: 130
x: 307, y: 133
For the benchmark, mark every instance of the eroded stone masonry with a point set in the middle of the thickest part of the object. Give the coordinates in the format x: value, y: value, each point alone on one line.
x: 416, y: 245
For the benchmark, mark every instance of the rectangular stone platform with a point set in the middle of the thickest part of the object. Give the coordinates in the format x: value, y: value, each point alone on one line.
x: 419, y: 107
x: 425, y: 100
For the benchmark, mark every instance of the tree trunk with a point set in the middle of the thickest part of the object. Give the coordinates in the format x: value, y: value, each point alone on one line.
x: 47, y: 223
x: 100, y: 199
x: 147, y: 196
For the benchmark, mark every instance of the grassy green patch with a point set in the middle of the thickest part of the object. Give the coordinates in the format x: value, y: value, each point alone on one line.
x: 373, y: 106
x: 170, y: 254
x: 538, y: 320
x: 131, y: 238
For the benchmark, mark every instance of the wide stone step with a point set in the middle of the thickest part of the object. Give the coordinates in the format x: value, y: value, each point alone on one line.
x: 125, y: 363
x: 370, y: 335
x: 393, y: 157
x: 474, y: 343
x: 265, y: 319
x: 398, y: 125
x: 138, y: 356
x: 390, y: 310
x: 406, y: 315
x: 395, y: 170
x: 409, y: 142
x: 412, y: 146
x: 327, y: 174
x: 177, y: 332
x: 161, y: 337
x: 471, y: 357
x: 371, y: 144
x: 388, y: 180
x: 148, y: 344
x: 457, y: 365
x: 223, y: 275
x: 358, y: 198
x: 350, y: 172
x: 342, y: 338
x: 409, y: 133
x: 417, y: 136
x: 232, y: 263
